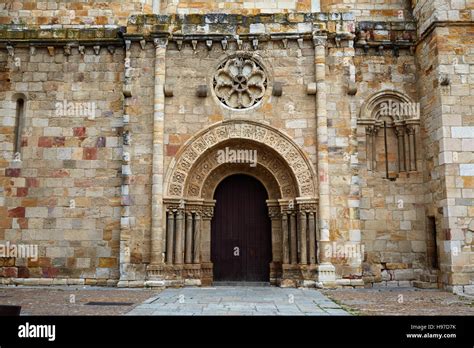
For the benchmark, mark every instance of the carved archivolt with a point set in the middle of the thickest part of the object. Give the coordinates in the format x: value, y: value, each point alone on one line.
x: 277, y: 154
x: 392, y: 104
x: 240, y: 82
x: 262, y: 174
x: 270, y: 170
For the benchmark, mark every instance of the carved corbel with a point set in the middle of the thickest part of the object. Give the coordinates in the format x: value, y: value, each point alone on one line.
x: 209, y: 45
x: 224, y: 44
x: 67, y: 50
x: 255, y: 44
x: 300, y: 42
x: 239, y: 44
x: 11, y: 51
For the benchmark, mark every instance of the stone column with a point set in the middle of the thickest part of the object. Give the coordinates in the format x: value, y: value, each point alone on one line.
x: 326, y: 271
x: 312, y: 238
x: 189, y: 239
x: 370, y: 147
x: 302, y: 238
x: 170, y: 238
x: 179, y: 240
x: 285, y: 239
x: 157, y: 212
x: 400, y: 131
x: 197, y: 239
x: 275, y: 265
x: 293, y: 240
x: 125, y: 201
x: 412, y: 147
x: 206, y: 264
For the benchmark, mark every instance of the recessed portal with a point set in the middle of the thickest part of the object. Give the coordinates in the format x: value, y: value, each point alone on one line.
x: 241, y: 231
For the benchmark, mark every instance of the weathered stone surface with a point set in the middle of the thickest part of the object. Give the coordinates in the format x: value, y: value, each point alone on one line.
x: 105, y: 155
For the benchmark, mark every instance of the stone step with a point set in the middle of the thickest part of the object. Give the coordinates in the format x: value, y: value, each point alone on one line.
x: 425, y: 285
x: 430, y: 278
x: 230, y: 283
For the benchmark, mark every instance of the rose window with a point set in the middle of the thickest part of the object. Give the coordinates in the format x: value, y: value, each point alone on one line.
x: 240, y: 83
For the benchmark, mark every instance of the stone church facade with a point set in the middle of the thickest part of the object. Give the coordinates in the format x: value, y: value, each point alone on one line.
x: 360, y: 115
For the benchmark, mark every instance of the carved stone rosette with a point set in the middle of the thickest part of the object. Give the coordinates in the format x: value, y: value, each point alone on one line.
x: 240, y: 82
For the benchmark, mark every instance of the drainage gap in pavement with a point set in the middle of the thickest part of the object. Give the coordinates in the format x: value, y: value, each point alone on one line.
x: 108, y: 304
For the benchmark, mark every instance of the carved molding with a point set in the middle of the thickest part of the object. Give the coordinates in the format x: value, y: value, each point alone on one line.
x: 274, y: 142
x: 396, y: 105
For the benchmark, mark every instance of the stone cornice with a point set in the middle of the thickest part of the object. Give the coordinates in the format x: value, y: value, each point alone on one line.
x: 55, y: 36
x: 263, y: 27
x: 382, y: 35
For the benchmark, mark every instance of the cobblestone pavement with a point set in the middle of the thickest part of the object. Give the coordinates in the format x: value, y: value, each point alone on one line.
x: 235, y: 301
x: 72, y: 300
x: 225, y: 300
x: 401, y: 301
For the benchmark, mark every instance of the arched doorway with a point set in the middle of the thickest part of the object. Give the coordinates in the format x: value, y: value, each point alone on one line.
x: 241, y: 231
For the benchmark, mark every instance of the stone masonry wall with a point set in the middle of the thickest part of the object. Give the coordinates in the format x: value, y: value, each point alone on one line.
x: 90, y: 12
x: 449, y: 147
x: 64, y: 193
x: 246, y: 7
x: 140, y: 111
x: 371, y: 10
x: 391, y: 212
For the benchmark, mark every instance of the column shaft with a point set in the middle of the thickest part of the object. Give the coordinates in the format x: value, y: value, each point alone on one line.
x: 312, y: 239
x: 303, y: 241
x: 179, y: 241
x: 293, y: 240
x: 285, y: 239
x: 158, y: 144
x: 170, y: 238
x: 401, y: 150
x: 197, y: 239
x: 189, y: 238
x: 322, y: 138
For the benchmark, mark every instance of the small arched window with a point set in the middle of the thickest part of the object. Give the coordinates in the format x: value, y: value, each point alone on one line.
x: 19, y: 121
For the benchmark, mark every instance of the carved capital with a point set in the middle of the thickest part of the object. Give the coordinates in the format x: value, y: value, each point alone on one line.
x: 274, y: 212
x: 370, y: 130
x: 207, y: 212
x: 306, y: 205
x: 400, y: 131
x: 160, y: 42
x: 319, y: 40
x: 410, y: 130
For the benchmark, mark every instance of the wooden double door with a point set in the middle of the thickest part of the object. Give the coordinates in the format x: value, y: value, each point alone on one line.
x: 241, y: 231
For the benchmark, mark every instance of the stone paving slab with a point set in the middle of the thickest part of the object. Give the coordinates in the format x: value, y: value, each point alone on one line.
x: 231, y: 300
